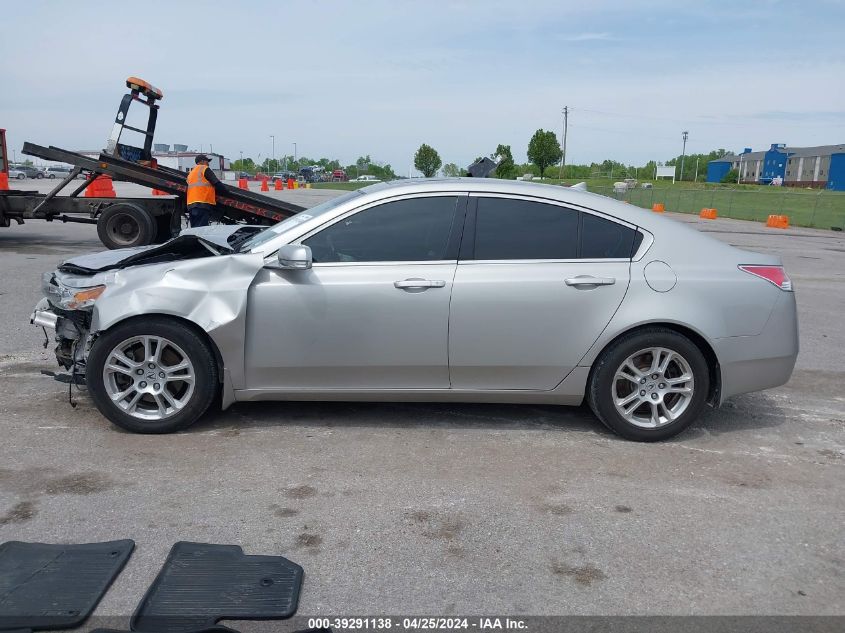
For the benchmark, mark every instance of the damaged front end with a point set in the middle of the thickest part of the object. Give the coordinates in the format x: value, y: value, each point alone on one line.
x: 68, y: 311
x: 71, y: 292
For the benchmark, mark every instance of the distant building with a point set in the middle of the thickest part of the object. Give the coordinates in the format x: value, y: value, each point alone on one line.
x: 181, y: 160
x: 821, y: 167
x: 184, y: 161
x: 482, y: 168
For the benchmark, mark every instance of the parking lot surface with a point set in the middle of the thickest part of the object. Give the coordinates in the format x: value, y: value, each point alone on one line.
x: 451, y: 508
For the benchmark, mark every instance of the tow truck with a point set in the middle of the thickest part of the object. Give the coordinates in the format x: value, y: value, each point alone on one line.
x: 128, y: 221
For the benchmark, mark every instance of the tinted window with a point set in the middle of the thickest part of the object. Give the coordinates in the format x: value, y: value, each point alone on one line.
x: 406, y: 230
x: 518, y: 229
x: 602, y: 238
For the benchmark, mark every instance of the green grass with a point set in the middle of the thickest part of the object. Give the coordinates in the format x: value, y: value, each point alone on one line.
x: 820, y: 209
x: 814, y: 208
x: 345, y: 186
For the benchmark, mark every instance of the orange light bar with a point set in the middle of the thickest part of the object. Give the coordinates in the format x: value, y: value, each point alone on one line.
x: 144, y: 87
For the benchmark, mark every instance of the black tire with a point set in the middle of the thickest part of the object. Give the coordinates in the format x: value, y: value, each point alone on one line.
x: 21, y: 176
x: 39, y: 176
x: 124, y: 225
x: 600, y: 394
x: 206, y: 386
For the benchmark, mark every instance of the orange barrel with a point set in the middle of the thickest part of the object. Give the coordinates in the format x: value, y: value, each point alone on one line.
x: 278, y: 184
x: 4, y: 181
x: 658, y: 207
x: 242, y: 183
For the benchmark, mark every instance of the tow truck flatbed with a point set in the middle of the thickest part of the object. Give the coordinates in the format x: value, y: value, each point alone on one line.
x: 137, y: 221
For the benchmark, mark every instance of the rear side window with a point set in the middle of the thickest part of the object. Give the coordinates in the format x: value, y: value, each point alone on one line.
x: 604, y: 239
x: 519, y: 229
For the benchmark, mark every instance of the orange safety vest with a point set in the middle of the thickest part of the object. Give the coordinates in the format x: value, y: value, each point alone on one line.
x: 199, y: 189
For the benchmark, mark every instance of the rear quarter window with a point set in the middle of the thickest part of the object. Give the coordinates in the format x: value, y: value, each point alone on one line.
x: 605, y: 239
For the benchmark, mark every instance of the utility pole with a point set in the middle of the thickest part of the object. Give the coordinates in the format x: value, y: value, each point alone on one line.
x: 685, y: 134
x: 696, y: 168
x: 565, y: 129
x: 273, y: 155
x: 294, y: 153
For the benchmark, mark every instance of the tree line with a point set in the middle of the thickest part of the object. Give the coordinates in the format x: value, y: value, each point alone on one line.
x: 544, y: 156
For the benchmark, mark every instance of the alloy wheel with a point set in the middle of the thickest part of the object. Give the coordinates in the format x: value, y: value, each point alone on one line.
x: 149, y: 377
x: 653, y: 387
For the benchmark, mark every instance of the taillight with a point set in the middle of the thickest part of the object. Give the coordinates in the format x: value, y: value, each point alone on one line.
x: 773, y: 274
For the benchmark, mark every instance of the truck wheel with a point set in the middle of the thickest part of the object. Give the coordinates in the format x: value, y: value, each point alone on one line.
x: 124, y: 224
x: 168, y: 226
x: 152, y: 375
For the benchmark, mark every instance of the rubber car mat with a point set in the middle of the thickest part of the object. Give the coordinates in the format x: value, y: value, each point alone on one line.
x: 201, y: 584
x: 213, y: 629
x: 44, y: 586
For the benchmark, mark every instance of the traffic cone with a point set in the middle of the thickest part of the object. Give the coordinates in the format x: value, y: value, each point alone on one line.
x: 101, y: 188
x: 278, y: 185
x: 4, y: 181
x: 264, y: 186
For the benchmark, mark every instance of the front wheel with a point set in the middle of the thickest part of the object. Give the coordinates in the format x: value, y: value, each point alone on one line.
x: 153, y: 375
x: 649, y: 385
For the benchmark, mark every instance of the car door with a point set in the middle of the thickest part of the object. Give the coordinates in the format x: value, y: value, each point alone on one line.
x: 371, y: 313
x: 536, y: 284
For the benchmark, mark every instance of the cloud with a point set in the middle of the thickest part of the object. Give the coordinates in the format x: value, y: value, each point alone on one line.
x: 588, y: 37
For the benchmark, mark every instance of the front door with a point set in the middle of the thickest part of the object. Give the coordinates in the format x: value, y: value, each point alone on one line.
x: 371, y: 313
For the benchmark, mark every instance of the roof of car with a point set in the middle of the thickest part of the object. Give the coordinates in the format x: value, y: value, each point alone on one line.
x: 577, y: 197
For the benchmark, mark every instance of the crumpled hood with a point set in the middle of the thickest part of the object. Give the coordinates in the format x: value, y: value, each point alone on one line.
x: 206, y: 241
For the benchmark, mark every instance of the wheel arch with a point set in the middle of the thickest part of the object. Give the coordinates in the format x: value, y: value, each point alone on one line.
x: 202, y: 334
x: 714, y: 368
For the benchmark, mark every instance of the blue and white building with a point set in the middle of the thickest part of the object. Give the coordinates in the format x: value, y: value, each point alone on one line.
x: 821, y: 167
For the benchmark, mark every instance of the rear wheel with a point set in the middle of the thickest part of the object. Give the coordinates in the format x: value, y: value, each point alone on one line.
x: 123, y: 225
x: 649, y: 385
x: 152, y: 376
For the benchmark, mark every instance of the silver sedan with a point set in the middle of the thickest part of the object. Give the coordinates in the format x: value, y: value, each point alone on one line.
x: 455, y: 290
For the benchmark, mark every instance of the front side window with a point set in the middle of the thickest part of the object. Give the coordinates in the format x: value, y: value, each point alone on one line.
x: 415, y: 229
x: 520, y: 229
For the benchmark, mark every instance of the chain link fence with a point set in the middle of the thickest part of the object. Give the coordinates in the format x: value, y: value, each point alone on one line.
x: 819, y: 209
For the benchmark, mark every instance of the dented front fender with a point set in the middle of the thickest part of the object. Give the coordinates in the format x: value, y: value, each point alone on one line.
x: 210, y: 292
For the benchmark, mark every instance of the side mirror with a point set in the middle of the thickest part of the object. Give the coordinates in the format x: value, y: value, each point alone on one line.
x: 293, y: 257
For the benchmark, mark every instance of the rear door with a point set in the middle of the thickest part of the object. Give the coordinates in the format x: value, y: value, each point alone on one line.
x: 536, y: 284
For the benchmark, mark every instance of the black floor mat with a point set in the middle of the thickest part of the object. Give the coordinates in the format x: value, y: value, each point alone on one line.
x: 201, y: 584
x: 213, y: 629
x: 56, y: 586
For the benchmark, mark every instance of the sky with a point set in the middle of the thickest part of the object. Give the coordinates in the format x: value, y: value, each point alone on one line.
x: 346, y: 79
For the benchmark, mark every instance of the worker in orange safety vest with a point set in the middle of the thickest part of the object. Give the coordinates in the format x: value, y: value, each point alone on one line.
x: 203, y: 187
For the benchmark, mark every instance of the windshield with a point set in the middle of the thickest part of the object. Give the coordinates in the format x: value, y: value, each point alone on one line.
x: 285, y: 225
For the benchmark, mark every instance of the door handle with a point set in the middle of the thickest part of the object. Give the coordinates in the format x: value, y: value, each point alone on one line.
x: 588, y: 280
x: 419, y: 283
